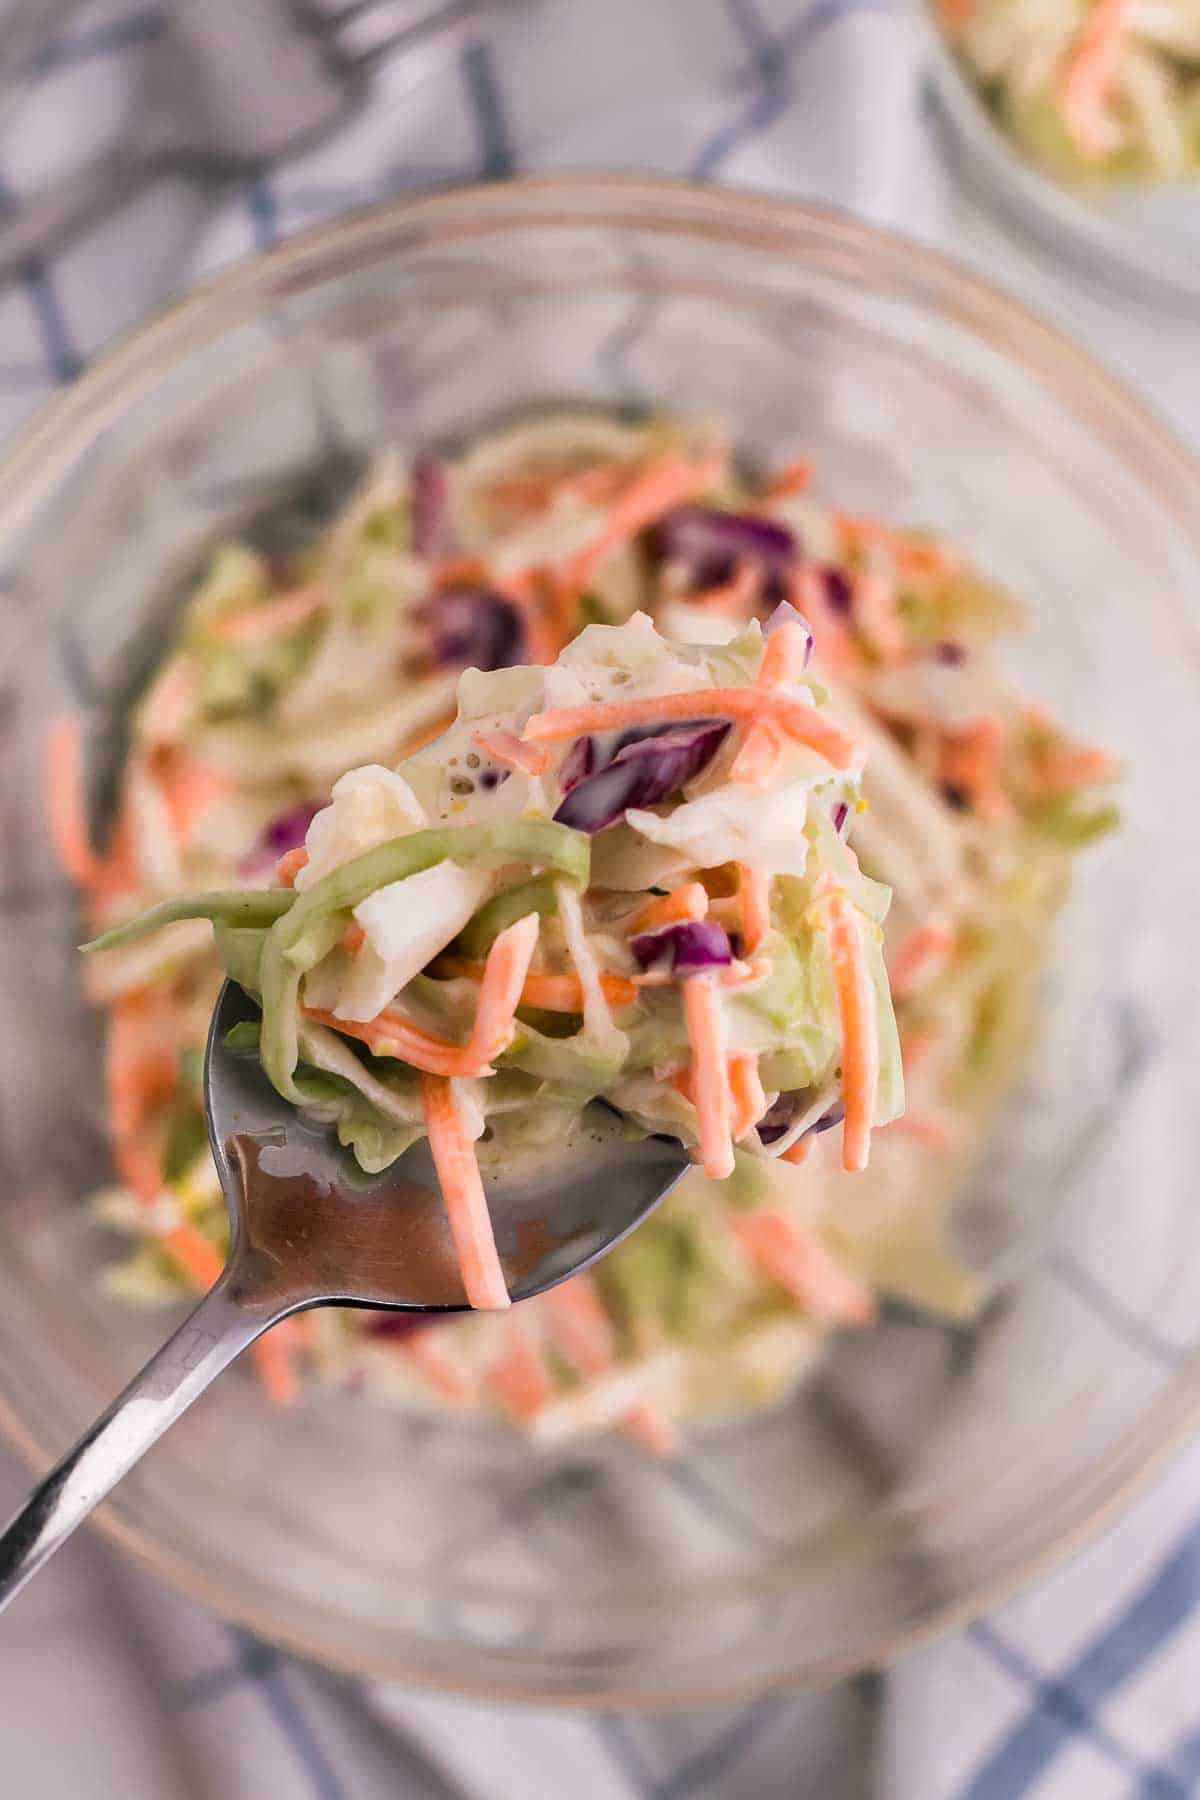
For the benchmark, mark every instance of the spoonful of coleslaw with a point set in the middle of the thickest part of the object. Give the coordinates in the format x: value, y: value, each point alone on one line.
x: 605, y: 925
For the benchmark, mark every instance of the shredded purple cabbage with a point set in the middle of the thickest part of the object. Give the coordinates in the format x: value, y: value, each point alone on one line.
x: 710, y: 543
x: 474, y: 627
x: 694, y: 944
x: 286, y: 832
x: 647, y: 765
x: 782, y: 1114
x: 432, y: 529
x: 950, y: 653
x: 827, y: 1121
x: 580, y: 761
x: 839, y: 589
x: 396, y: 1324
x: 841, y: 813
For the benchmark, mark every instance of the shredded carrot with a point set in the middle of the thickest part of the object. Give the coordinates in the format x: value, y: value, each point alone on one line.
x: 955, y: 15
x: 353, y: 938
x: 599, y: 482
x: 683, y: 1081
x: 720, y: 883
x: 783, y: 661
x: 506, y: 748
x: 517, y: 1376
x: 417, y: 740
x: 463, y: 1196
x: 258, y: 624
x: 66, y: 812
x: 798, y: 1152
x: 923, y: 952
x: 915, y: 1047
x: 746, y: 1091
x: 202, y: 1266
x: 429, y: 1358
x: 168, y: 704
x: 860, y: 1037
x: 290, y: 865
x: 706, y: 1034
x: 648, y: 1426
x: 302, y: 1330
x: 738, y: 972
x: 735, y: 598
x: 915, y: 557
x: 523, y: 492
x: 391, y: 1033
x: 454, y: 570
x: 504, y: 976
x: 579, y: 1325
x: 548, y: 993
x: 687, y: 902
x: 1063, y: 771
x: 923, y: 1128
x: 545, y: 634
x: 653, y: 491
x: 193, y: 1255
x: 755, y: 905
x: 799, y: 1262
x: 117, y: 875
x: 614, y: 715
x: 190, y: 787
x: 1089, y: 76
x: 141, y: 1069
x: 534, y: 490
x: 785, y: 655
x: 970, y: 762
x: 832, y: 639
x: 726, y: 909
x: 274, y: 1366
x: 582, y: 1330
x: 877, y: 609
x: 794, y: 477
x: 528, y: 493
x: 139, y: 1168
x: 794, y: 717
x: 758, y: 757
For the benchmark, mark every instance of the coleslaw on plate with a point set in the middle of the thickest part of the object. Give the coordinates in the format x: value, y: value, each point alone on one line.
x: 613, y: 945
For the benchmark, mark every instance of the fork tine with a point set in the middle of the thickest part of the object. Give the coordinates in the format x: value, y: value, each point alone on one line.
x: 363, y: 32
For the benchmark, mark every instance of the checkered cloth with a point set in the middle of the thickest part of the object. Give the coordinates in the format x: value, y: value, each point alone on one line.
x: 1087, y: 1687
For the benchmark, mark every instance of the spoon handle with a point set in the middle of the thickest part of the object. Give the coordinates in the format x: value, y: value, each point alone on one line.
x: 219, y: 1329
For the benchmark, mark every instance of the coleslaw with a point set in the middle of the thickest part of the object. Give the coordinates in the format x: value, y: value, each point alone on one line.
x: 1091, y: 88
x: 282, y: 676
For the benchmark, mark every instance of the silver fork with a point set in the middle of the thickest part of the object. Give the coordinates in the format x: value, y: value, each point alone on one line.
x: 230, y: 86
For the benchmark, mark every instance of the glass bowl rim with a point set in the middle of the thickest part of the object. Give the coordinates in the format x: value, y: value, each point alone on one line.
x: 36, y: 458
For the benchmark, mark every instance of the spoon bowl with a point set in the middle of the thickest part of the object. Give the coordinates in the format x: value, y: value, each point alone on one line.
x: 308, y: 1228
x: 313, y: 1229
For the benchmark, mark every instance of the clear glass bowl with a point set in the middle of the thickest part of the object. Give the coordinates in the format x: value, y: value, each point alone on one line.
x: 1137, y: 240
x: 925, y: 1470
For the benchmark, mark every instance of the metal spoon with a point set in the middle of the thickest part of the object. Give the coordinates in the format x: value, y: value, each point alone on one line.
x: 307, y: 1228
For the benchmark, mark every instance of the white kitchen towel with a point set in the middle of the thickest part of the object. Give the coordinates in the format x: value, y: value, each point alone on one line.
x: 1086, y: 1688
